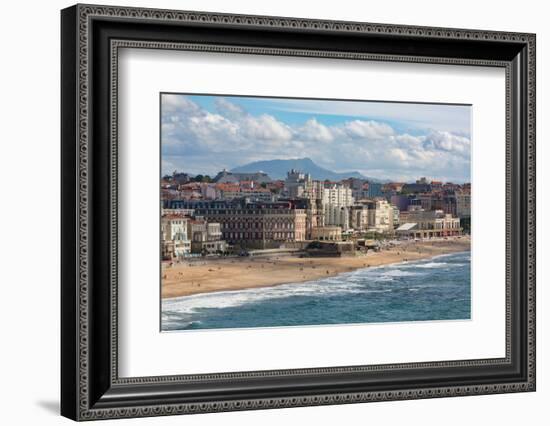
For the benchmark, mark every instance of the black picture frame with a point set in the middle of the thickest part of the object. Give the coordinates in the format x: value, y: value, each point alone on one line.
x: 90, y: 386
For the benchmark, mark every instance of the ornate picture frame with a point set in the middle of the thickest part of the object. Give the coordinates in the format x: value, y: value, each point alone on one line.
x: 91, y: 37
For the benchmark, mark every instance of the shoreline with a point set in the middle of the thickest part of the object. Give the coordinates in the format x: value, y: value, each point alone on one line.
x: 226, y: 274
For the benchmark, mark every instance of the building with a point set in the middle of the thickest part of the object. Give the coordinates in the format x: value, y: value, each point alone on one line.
x: 336, y: 201
x: 259, y: 194
x: 428, y: 224
x: 337, y: 215
x: 421, y: 186
x: 380, y: 216
x: 393, y: 187
x: 359, y: 188
x: 338, y: 195
x: 248, y: 189
x: 396, y: 216
x: 426, y: 201
x: 330, y: 248
x: 374, y: 190
x: 179, y: 178
x: 190, y: 190
x: 315, y: 215
x: 232, y: 177
x: 327, y: 233
x: 400, y: 201
x: 449, y: 205
x: 463, y: 204
x: 214, y: 231
x: 227, y: 191
x: 451, y: 187
x: 437, y: 185
x: 301, y: 185
x: 295, y: 183
x: 359, y: 217
x: 180, y: 212
x: 390, y: 189
x: 208, y: 191
x: 175, y: 243
x: 253, y: 224
x: 315, y: 212
x: 206, y: 237
x: 197, y: 229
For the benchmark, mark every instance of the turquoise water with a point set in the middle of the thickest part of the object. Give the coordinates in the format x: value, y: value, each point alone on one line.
x: 432, y: 289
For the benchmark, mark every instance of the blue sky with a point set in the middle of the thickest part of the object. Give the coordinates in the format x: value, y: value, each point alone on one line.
x: 398, y: 141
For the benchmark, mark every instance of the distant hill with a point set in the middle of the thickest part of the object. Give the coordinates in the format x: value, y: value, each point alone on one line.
x: 277, y: 169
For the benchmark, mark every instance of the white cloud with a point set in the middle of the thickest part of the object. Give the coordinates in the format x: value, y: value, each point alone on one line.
x: 200, y: 141
x: 179, y: 104
x: 312, y: 130
x: 399, y: 155
x: 264, y: 127
x: 188, y: 128
x: 446, y: 141
x: 229, y: 109
x: 360, y: 129
x: 454, y: 118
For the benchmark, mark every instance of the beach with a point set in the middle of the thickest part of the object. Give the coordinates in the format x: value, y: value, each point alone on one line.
x: 225, y: 274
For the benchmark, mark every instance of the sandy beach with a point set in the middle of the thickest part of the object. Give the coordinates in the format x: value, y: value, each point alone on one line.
x: 210, y: 275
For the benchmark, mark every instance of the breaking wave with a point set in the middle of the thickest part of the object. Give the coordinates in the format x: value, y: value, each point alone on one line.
x: 367, y: 286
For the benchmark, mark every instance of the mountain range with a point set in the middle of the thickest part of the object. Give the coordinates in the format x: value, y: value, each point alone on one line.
x: 277, y: 169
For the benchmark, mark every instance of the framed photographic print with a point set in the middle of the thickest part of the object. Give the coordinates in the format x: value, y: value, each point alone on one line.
x: 263, y: 212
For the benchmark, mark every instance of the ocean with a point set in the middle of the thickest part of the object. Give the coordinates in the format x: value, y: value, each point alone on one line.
x: 431, y: 289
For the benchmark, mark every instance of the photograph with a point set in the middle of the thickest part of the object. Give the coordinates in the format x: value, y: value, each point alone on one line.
x: 273, y: 208
x: 280, y: 212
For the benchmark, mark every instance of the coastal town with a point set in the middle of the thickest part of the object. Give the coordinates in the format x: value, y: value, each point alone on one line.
x: 233, y: 222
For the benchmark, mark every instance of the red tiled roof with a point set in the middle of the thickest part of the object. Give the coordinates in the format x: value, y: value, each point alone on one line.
x: 174, y: 216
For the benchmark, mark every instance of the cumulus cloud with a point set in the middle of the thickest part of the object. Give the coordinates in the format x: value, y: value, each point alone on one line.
x: 229, y: 109
x: 188, y: 128
x: 198, y: 140
x: 172, y: 103
x: 446, y: 141
x: 265, y: 127
x: 312, y: 130
x: 360, y: 129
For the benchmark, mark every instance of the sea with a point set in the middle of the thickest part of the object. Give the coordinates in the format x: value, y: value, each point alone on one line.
x: 438, y: 288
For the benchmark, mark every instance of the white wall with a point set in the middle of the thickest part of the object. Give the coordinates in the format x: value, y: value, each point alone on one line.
x: 29, y: 175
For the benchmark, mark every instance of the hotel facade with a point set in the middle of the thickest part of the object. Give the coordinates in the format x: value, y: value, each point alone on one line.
x: 428, y: 224
x: 175, y: 243
x: 252, y: 224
